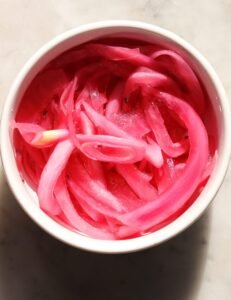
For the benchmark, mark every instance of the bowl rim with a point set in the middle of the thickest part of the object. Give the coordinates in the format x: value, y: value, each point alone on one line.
x: 115, y: 246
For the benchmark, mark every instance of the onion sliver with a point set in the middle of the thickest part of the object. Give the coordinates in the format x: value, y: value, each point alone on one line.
x: 171, y: 200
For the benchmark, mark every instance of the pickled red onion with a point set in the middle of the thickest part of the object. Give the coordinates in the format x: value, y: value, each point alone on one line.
x: 112, y: 138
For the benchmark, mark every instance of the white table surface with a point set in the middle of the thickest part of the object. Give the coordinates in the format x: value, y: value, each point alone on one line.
x: 195, y: 265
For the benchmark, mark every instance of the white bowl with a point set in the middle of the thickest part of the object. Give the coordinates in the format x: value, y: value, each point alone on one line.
x: 28, y: 199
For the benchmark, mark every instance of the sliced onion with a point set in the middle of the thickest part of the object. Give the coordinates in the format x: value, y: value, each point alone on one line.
x: 111, y: 137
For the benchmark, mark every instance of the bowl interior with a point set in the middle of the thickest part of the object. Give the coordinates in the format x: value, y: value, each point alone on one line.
x: 28, y: 198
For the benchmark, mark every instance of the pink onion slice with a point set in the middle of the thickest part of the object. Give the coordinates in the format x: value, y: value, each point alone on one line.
x: 121, y: 54
x: 90, y: 200
x: 36, y: 136
x: 96, y: 170
x: 172, y: 199
x: 133, y: 123
x: 149, y: 78
x: 156, y: 122
x: 137, y: 181
x: 85, y: 124
x: 91, y: 212
x: 93, y: 188
x: 185, y: 75
x: 114, y: 101
x: 68, y: 100
x: 154, y: 154
x: 111, y: 149
x: 119, y: 187
x: 63, y: 198
x: 27, y: 130
x: 110, y: 128
x: 49, y: 137
x: 53, y: 169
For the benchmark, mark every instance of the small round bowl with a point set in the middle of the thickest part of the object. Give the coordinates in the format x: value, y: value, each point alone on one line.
x: 28, y: 199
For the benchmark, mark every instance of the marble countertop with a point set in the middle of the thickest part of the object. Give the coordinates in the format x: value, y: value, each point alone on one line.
x: 196, y: 265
